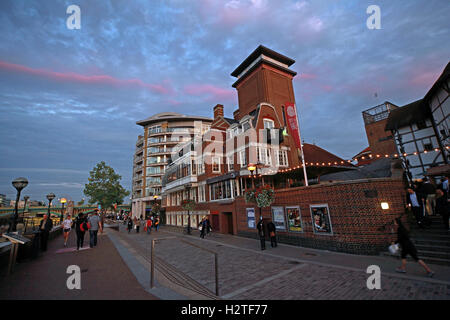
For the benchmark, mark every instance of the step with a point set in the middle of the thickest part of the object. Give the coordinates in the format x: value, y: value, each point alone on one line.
x: 434, y: 254
x: 428, y: 242
x: 428, y: 260
x: 430, y: 236
x: 434, y: 248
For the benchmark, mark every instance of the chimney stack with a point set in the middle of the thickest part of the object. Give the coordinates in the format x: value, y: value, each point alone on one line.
x: 218, y: 111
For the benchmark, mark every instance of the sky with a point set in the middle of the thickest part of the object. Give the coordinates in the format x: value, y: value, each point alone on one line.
x: 70, y: 98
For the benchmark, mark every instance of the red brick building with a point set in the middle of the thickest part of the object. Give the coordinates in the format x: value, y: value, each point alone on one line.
x: 213, y: 170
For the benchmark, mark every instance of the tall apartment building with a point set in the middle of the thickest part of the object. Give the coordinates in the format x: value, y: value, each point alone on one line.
x: 154, y: 149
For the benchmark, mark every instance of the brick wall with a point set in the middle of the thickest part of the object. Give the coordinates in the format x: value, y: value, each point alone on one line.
x: 357, y: 219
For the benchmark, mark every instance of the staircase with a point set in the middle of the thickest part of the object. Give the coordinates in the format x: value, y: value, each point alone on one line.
x: 432, y: 243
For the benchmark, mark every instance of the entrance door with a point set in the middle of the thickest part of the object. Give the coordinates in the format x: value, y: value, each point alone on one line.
x: 229, y: 222
x: 215, y: 222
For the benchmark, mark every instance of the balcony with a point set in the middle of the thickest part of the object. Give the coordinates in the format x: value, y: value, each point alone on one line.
x: 137, y: 169
x: 180, y: 182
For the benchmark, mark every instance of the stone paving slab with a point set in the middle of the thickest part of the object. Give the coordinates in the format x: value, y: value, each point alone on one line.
x: 291, y: 273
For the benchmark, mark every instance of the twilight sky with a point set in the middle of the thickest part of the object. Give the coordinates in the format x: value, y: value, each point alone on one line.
x: 70, y: 98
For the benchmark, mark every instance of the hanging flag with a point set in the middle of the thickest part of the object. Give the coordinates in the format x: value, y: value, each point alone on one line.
x: 293, y: 123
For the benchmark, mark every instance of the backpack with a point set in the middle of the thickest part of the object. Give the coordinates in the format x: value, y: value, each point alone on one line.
x: 84, y: 227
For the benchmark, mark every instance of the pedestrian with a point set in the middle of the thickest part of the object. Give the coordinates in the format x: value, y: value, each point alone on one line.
x: 430, y: 196
x: 273, y: 237
x: 129, y: 225
x: 94, y: 225
x: 202, y: 227
x: 149, y: 225
x: 407, y: 247
x: 208, y: 226
x: 261, y: 233
x: 156, y: 223
x: 67, y: 226
x: 442, y: 207
x: 45, y: 227
x: 415, y: 202
x: 445, y: 186
x: 80, y: 229
x: 136, y: 224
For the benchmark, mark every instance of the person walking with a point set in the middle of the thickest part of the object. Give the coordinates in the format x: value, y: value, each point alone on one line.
x: 407, y: 247
x: 156, y: 223
x: 149, y: 225
x: 45, y: 227
x: 129, y: 224
x: 95, y: 224
x: 208, y: 226
x: 442, y: 207
x: 445, y: 186
x: 430, y: 196
x: 67, y: 226
x: 272, y: 234
x: 80, y: 229
x: 202, y: 226
x: 136, y: 224
x: 415, y: 202
x: 261, y: 233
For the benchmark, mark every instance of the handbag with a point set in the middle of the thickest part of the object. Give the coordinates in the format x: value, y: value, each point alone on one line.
x: 272, y: 234
x: 394, y: 248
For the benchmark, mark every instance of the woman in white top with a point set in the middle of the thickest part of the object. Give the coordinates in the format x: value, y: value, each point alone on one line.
x: 67, y: 226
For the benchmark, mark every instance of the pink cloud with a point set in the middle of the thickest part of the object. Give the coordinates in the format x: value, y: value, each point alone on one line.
x: 214, y: 92
x: 306, y: 76
x: 79, y: 78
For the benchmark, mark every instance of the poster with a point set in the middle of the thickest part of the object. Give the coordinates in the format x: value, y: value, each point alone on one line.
x: 278, y: 218
x: 321, y: 221
x: 251, y: 218
x: 294, y: 219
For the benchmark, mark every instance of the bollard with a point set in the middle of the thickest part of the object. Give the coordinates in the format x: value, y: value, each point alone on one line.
x: 152, y: 264
x: 216, y: 266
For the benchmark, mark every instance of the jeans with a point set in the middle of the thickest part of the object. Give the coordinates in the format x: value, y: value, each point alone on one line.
x: 80, y: 239
x: 93, y: 238
x: 44, y: 240
x: 149, y: 230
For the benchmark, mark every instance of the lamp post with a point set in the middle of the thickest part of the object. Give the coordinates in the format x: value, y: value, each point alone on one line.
x: 63, y: 201
x: 188, y: 189
x: 19, y: 184
x: 252, y: 168
x: 155, y: 197
x: 24, y: 206
x: 50, y: 197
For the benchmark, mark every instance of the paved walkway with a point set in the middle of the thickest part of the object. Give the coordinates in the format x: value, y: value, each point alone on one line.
x: 104, y: 275
x: 285, y: 272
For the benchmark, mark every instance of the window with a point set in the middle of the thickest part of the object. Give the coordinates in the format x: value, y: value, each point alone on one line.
x: 156, y: 129
x: 421, y: 125
x: 230, y: 162
x: 216, y: 164
x: 428, y: 146
x: 201, y: 167
x: 242, y: 158
x: 246, y: 126
x: 201, y: 193
x: 221, y: 190
x: 268, y: 124
x: 282, y: 158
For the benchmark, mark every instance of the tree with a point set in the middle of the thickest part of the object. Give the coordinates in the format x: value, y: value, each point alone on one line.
x: 104, y: 186
x: 80, y: 203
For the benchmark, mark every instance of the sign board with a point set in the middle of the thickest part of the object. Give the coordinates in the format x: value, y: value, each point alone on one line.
x: 321, y: 219
x: 294, y: 219
x: 16, y: 238
x: 278, y: 218
x: 251, y: 218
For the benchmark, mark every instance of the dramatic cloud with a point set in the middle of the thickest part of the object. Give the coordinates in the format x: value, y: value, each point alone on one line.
x: 71, y: 98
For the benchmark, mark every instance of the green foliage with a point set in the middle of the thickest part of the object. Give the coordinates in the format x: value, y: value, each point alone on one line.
x: 263, y: 197
x: 80, y: 203
x: 104, y: 186
x: 188, y: 204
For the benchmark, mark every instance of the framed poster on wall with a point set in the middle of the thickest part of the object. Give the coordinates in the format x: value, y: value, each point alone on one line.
x: 251, y: 218
x: 278, y: 218
x: 294, y: 219
x: 321, y: 220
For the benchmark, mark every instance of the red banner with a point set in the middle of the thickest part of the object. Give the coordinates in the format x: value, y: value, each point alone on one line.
x: 291, y: 115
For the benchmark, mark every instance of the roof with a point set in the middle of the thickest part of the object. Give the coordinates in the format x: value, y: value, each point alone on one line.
x: 230, y: 120
x: 170, y: 116
x: 377, y: 169
x: 443, y: 77
x: 406, y: 115
x: 314, y: 154
x: 255, y: 54
x: 362, y: 153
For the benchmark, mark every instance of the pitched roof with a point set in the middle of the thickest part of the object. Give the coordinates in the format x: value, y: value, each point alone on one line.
x: 406, y: 115
x: 443, y: 77
x: 314, y: 154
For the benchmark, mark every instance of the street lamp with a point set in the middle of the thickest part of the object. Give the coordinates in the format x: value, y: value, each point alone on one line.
x: 155, y: 197
x: 188, y: 188
x: 252, y: 168
x: 50, y: 197
x: 63, y: 201
x: 19, y: 184
x: 24, y: 206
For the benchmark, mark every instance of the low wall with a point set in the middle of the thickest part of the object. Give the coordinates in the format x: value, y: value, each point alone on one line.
x: 356, y: 217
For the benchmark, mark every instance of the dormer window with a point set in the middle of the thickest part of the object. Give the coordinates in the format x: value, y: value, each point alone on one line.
x: 268, y: 124
x: 246, y: 125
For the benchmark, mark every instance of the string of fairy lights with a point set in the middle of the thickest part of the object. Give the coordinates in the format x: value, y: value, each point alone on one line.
x: 347, y: 162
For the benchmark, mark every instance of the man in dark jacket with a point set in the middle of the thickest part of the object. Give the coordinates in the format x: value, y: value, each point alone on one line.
x: 261, y: 234
x: 442, y: 207
x: 273, y: 237
x: 429, y: 191
x: 45, y: 227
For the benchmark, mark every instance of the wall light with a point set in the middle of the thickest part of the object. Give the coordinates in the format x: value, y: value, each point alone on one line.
x: 384, y: 205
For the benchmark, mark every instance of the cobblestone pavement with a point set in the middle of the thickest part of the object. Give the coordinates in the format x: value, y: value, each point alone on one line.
x: 286, y: 272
